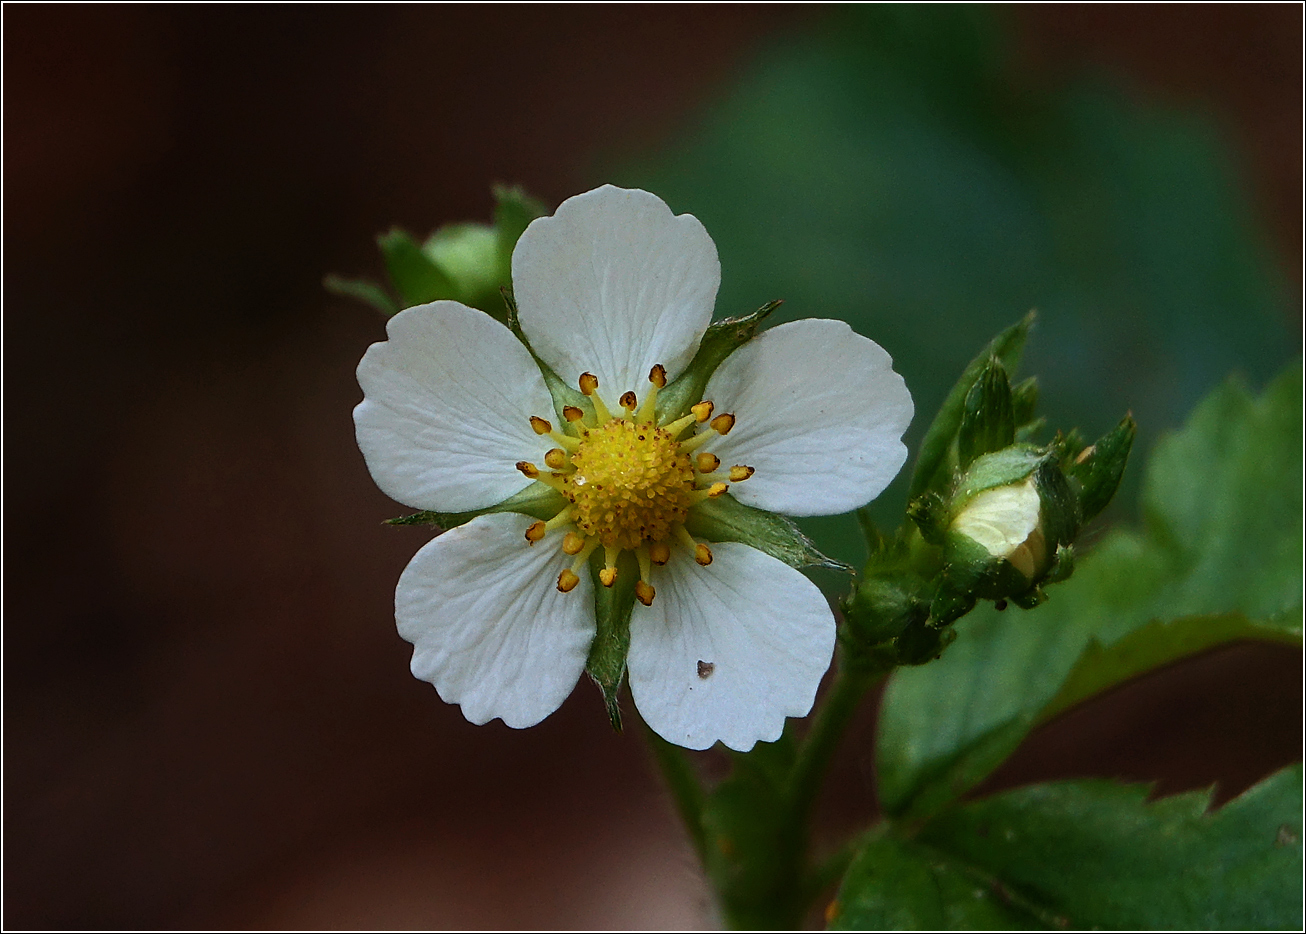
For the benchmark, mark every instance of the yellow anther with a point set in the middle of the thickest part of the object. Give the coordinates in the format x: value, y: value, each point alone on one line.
x: 572, y: 414
x: 529, y: 469
x: 588, y: 383
x: 567, y: 581
x: 644, y: 592
x: 702, y: 411
x: 535, y: 531
x: 723, y: 423
x: 572, y: 543
x: 541, y: 425
x: 556, y: 458
x: 659, y: 553
x: 739, y: 472
x: 707, y: 463
x: 609, y: 572
x: 702, y: 554
x: 717, y: 489
x: 658, y: 375
x: 628, y: 400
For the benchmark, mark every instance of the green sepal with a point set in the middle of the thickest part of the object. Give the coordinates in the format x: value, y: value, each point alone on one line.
x: 1061, y: 515
x: 363, y: 290
x: 987, y: 422
x: 921, y: 642
x: 1063, y: 565
x: 1001, y: 468
x: 930, y: 513
x: 562, y: 394
x: 1031, y: 598
x: 1097, y: 471
x: 1024, y: 400
x: 606, y: 663
x: 935, y: 462
x: 950, y: 605
x: 972, y: 570
x: 415, y: 276
x: 720, y: 341
x: 537, y: 500
x: 724, y: 519
x: 880, y: 608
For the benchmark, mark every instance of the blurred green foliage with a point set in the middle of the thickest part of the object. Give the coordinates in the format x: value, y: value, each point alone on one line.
x: 891, y: 169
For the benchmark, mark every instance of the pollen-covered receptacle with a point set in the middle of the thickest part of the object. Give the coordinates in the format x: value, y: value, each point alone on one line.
x: 631, y: 483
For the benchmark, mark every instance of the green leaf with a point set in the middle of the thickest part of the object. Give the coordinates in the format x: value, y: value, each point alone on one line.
x: 720, y: 341
x: 538, y: 500
x: 612, y: 605
x: 1096, y: 854
x: 417, y: 279
x: 364, y: 290
x: 1220, y: 558
x: 988, y: 420
x: 513, y: 212
x: 896, y: 884
x: 725, y: 519
x: 468, y: 255
x: 933, y: 463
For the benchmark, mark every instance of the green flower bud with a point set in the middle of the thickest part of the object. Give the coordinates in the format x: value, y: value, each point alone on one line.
x: 1007, y: 522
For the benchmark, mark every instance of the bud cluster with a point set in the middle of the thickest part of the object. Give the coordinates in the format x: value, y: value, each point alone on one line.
x: 994, y: 519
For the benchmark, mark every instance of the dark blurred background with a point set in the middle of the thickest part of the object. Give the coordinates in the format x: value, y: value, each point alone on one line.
x: 208, y: 716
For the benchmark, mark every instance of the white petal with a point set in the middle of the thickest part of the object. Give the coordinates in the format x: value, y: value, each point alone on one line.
x: 760, y: 632
x: 613, y: 283
x: 446, y: 409
x: 819, y: 414
x: 489, y: 628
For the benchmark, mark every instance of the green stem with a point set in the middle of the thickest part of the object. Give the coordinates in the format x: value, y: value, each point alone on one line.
x: 686, y: 789
x: 850, y: 686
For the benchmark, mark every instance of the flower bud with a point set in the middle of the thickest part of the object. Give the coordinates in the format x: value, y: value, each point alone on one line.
x: 1007, y: 522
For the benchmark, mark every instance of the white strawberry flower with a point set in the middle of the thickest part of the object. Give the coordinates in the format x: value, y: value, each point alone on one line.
x: 614, y: 295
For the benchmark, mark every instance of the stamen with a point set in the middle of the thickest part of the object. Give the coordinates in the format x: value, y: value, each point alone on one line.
x: 711, y: 492
x: 702, y: 554
x: 723, y: 423
x: 644, y: 592
x: 537, y: 529
x: 658, y: 378
x: 567, y: 441
x: 659, y: 553
x: 529, y: 469
x: 707, y: 463
x: 629, y: 402
x: 589, y: 385
x: 542, y: 426
x: 572, y: 414
x: 675, y: 428
x: 696, y: 441
x: 572, y: 543
x: 556, y: 458
x: 567, y: 581
x: 739, y: 473
x: 702, y: 411
x: 609, y: 573
x: 571, y: 577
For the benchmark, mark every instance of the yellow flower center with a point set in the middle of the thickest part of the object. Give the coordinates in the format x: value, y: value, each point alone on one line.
x: 630, y: 482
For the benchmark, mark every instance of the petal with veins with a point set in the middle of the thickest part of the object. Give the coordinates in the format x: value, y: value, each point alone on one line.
x: 819, y: 413
x: 614, y: 283
x: 727, y: 651
x: 489, y: 628
x: 446, y: 408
